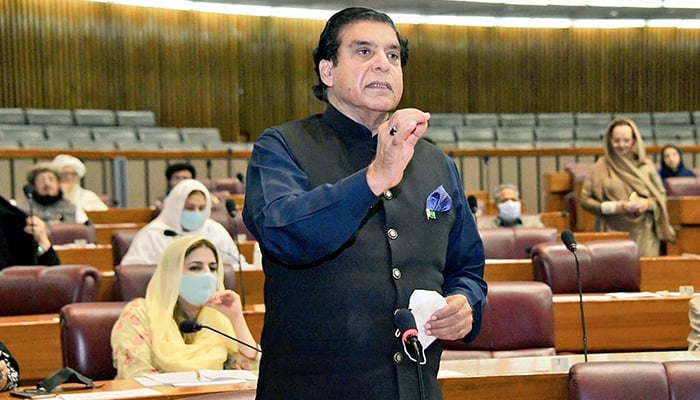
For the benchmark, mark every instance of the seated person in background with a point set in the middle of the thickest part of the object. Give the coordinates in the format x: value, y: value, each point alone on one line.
x: 694, y: 316
x: 16, y: 244
x: 186, y: 211
x: 188, y: 284
x: 672, y: 163
x: 47, y: 201
x: 507, y: 198
x: 173, y: 175
x: 72, y: 170
x: 9, y: 370
x: 624, y: 191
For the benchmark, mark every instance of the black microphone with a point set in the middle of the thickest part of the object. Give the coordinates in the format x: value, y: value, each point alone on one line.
x: 240, y: 177
x: 170, y: 233
x: 29, y: 193
x: 570, y: 242
x: 406, y: 325
x: 189, y: 326
x: 473, y: 204
x: 231, y: 208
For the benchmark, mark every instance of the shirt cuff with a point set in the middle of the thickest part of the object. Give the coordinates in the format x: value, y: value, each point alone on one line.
x: 609, y: 207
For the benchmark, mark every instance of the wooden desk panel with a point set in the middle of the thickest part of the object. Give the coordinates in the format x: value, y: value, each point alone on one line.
x: 684, y: 210
x: 35, y: 341
x: 121, y: 215
x: 103, y: 232
x: 530, y: 378
x: 659, y: 323
x: 669, y: 272
x: 99, y: 256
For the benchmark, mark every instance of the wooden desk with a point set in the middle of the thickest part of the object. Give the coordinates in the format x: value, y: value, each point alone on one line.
x: 239, y: 391
x: 684, y: 214
x: 103, y: 232
x: 657, y: 273
x: 120, y: 215
x: 99, y: 256
x: 35, y: 342
x: 532, y: 378
x: 659, y: 323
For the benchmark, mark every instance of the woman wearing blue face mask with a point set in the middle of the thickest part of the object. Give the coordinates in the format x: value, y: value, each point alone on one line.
x: 186, y: 211
x: 186, y: 285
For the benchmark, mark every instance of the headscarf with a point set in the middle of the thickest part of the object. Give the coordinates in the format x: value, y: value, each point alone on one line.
x: 630, y: 169
x: 65, y: 160
x: 667, y: 172
x: 174, y: 203
x: 208, y: 350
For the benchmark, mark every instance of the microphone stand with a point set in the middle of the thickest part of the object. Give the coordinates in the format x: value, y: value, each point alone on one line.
x: 30, y: 197
x: 419, y: 370
x: 231, y: 208
x: 580, y: 302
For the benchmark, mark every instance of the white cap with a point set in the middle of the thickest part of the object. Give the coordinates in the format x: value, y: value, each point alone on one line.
x: 64, y: 160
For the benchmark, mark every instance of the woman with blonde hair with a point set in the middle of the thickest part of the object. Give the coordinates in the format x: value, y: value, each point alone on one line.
x: 188, y: 284
x: 624, y: 190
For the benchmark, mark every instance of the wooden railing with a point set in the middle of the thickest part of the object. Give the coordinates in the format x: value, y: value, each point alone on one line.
x: 482, y: 169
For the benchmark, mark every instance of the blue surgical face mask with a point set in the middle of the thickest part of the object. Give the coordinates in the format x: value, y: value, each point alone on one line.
x: 191, y: 220
x: 197, y: 289
x: 509, y: 210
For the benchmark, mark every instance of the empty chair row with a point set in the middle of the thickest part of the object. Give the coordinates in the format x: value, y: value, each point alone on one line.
x: 82, y: 117
x: 57, y: 136
x: 549, y: 137
x: 564, y: 119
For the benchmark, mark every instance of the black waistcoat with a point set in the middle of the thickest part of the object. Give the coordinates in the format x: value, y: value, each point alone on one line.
x: 329, y: 330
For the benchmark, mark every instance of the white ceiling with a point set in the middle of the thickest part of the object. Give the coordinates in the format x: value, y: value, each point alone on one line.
x: 447, y: 7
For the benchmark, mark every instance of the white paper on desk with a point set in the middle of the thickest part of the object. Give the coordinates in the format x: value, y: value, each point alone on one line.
x: 423, y: 303
x: 109, y: 395
x: 168, y: 378
x: 632, y: 295
x: 217, y: 374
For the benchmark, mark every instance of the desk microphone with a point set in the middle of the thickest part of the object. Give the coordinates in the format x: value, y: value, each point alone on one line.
x: 473, y: 205
x: 231, y: 208
x: 406, y: 325
x: 189, y: 326
x: 29, y: 194
x: 570, y: 242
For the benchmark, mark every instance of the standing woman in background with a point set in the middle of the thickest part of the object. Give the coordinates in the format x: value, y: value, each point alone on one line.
x: 624, y: 190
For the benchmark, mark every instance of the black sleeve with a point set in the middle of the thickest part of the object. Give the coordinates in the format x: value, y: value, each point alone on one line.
x: 50, y: 257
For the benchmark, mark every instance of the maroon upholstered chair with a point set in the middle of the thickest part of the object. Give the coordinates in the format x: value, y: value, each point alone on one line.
x: 518, y: 321
x: 606, y: 266
x: 606, y: 380
x: 514, y: 243
x: 682, y: 186
x: 86, y: 330
x: 132, y: 280
x: 69, y: 232
x: 683, y: 379
x: 121, y: 240
x: 28, y: 290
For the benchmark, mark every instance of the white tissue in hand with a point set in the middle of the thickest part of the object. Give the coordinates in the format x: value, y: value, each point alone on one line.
x: 423, y: 303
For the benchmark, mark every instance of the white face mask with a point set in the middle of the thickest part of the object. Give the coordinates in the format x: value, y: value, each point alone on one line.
x: 509, y: 210
x: 197, y: 289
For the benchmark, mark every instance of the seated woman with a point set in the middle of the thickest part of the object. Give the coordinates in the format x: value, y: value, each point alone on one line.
x: 186, y: 211
x: 9, y: 370
x: 186, y: 285
x: 672, y: 163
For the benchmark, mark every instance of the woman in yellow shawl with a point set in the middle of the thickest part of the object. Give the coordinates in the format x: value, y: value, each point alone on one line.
x: 625, y: 192
x: 187, y: 284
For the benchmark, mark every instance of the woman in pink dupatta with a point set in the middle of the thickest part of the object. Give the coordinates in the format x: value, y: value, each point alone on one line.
x: 624, y: 190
